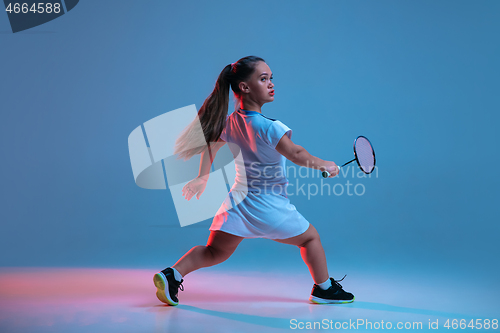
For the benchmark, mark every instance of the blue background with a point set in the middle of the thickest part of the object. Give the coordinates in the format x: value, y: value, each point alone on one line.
x: 419, y: 78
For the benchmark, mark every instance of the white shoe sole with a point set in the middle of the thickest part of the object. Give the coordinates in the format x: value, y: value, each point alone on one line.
x: 318, y: 300
x: 161, y: 285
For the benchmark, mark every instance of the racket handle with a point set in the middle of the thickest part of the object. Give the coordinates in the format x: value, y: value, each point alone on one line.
x: 326, y: 174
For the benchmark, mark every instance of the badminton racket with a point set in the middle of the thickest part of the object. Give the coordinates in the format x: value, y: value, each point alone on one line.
x: 364, y: 155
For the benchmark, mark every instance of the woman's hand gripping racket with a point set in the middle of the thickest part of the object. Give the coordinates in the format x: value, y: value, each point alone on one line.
x: 363, y: 154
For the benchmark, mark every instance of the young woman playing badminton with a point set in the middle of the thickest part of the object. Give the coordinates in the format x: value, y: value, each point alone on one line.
x: 263, y: 208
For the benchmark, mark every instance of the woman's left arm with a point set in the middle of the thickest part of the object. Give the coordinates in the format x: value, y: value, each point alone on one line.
x: 197, y: 185
x: 207, y: 158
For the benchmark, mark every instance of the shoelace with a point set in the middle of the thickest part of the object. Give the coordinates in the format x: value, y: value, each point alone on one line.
x: 337, y: 282
x: 180, y: 286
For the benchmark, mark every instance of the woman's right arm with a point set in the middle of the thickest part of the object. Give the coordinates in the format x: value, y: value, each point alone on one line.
x: 300, y: 156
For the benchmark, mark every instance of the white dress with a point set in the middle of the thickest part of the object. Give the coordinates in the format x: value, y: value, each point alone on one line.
x: 257, y: 205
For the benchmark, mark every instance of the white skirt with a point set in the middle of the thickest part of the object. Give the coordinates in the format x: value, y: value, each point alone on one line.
x: 259, y: 216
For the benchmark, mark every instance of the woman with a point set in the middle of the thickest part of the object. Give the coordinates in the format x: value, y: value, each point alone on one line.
x: 262, y: 207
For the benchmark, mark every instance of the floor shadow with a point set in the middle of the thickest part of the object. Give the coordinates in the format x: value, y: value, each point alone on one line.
x: 401, y: 309
x: 274, y: 322
x: 244, y: 318
x: 233, y: 298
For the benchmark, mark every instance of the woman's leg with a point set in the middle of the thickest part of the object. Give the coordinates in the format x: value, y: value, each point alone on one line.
x: 220, y: 246
x: 312, y: 253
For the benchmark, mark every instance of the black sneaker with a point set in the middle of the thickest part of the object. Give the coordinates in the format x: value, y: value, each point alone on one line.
x: 334, y: 294
x: 165, y: 280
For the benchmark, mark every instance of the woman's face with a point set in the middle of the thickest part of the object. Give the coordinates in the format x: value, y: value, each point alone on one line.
x: 259, y: 88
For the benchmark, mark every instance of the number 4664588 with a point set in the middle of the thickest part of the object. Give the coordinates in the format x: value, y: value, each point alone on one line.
x: 36, y: 8
x: 477, y: 324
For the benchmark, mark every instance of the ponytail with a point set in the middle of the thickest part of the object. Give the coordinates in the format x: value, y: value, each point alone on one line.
x: 210, y: 121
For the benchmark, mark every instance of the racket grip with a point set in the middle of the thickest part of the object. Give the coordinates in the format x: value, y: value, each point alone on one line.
x: 326, y: 174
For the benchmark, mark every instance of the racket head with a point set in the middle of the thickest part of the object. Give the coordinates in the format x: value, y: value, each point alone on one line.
x: 365, y: 154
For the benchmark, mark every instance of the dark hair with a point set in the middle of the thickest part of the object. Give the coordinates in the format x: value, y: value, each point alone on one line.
x: 212, y: 114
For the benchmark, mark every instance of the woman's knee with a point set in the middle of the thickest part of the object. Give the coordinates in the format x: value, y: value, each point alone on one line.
x: 222, y: 245
x: 218, y: 255
x: 310, y: 236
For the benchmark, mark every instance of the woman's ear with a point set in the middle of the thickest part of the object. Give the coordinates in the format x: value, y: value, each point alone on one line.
x: 243, y: 87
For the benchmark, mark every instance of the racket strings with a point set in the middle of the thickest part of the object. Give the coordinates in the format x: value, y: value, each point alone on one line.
x: 365, y: 154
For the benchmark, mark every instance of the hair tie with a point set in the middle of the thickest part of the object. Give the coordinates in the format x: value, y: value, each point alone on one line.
x: 232, y: 65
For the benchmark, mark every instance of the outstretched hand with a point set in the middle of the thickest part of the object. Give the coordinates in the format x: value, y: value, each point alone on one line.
x: 332, y: 169
x: 194, y: 187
